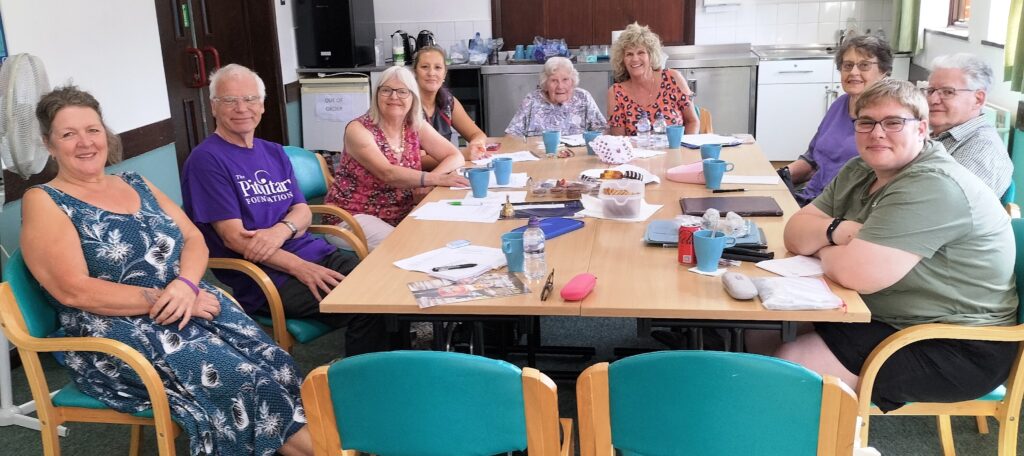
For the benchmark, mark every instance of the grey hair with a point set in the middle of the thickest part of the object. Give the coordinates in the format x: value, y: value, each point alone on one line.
x: 635, y: 36
x: 415, y: 116
x: 555, y: 64
x: 235, y: 70
x: 904, y: 93
x: 977, y: 71
x: 870, y: 45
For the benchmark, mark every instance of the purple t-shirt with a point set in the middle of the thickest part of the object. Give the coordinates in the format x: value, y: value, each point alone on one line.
x: 222, y: 181
x: 832, y: 146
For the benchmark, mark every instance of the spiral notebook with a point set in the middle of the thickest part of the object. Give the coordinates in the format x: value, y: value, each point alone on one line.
x: 745, y: 206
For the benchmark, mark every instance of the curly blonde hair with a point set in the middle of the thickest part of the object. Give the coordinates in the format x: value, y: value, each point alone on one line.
x: 635, y: 36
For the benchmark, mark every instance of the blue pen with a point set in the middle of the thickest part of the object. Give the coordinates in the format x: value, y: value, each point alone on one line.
x: 454, y: 266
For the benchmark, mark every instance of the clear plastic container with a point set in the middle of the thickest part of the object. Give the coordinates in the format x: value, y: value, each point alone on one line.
x: 621, y: 198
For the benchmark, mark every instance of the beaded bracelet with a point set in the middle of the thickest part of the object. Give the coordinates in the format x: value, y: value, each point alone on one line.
x: 190, y: 284
x: 423, y: 177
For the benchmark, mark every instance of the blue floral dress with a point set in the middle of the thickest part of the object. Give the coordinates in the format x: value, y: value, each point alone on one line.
x: 230, y: 387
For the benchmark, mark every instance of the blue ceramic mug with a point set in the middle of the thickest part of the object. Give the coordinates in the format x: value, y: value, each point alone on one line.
x: 675, y: 136
x: 713, y: 172
x: 710, y: 151
x: 502, y: 167
x: 512, y: 245
x: 708, y: 246
x: 479, y: 179
x: 589, y: 136
x: 552, y: 138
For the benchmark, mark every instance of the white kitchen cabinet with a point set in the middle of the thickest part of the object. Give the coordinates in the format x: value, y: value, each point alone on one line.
x: 792, y: 98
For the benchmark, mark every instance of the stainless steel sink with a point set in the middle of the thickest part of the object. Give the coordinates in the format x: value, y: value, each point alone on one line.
x: 783, y: 52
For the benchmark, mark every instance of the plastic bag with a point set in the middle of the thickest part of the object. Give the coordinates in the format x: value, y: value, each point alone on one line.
x: 544, y: 48
x: 458, y: 53
x: 796, y: 293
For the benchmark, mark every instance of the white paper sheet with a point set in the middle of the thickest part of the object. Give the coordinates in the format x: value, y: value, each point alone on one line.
x: 521, y: 155
x: 573, y: 140
x: 751, y: 180
x: 647, y: 153
x: 708, y: 138
x: 492, y: 198
x: 485, y: 258
x: 516, y: 180
x: 442, y: 211
x: 795, y: 266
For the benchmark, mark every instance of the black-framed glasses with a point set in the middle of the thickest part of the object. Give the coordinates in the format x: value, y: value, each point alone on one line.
x: 250, y: 100
x: 863, y: 65
x: 387, y: 91
x: 891, y: 124
x: 548, y: 286
x: 945, y: 93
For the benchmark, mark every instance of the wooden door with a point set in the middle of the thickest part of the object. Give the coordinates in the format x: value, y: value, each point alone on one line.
x: 569, y: 19
x: 196, y: 36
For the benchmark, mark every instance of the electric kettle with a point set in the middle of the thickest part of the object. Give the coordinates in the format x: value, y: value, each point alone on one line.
x: 425, y: 38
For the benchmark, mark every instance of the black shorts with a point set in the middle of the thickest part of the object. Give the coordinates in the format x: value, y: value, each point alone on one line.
x: 938, y: 370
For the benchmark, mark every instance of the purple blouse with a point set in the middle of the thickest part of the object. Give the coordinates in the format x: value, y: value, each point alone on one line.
x: 832, y: 146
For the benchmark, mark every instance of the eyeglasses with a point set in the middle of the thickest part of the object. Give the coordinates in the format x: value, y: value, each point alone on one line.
x: 548, y: 286
x: 250, y: 100
x: 945, y: 93
x: 387, y: 91
x: 892, y: 124
x: 862, y: 66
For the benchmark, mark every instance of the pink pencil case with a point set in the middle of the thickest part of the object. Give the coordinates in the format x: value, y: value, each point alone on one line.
x: 578, y: 287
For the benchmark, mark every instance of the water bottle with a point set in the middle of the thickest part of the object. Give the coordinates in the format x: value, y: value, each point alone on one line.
x: 659, y: 124
x: 534, y: 265
x: 643, y: 129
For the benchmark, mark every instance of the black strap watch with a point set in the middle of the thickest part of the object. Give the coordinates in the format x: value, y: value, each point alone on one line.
x: 291, y: 226
x: 831, y: 228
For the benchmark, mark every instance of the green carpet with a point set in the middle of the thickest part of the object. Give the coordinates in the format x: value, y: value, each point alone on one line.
x: 905, y: 436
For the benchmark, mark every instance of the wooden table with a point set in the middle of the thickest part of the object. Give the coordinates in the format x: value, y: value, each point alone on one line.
x: 634, y: 280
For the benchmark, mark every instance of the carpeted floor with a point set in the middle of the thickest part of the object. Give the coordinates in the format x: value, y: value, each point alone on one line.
x: 905, y: 436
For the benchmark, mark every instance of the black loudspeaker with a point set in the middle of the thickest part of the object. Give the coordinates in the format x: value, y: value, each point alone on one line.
x: 334, y: 33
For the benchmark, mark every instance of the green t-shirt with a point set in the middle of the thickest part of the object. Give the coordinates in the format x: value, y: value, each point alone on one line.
x: 937, y: 209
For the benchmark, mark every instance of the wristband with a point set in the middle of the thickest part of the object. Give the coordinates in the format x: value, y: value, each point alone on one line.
x: 423, y: 177
x: 291, y: 226
x: 190, y: 284
x: 831, y: 228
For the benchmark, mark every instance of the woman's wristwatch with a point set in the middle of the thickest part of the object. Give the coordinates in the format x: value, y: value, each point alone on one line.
x: 291, y: 226
x: 832, y: 228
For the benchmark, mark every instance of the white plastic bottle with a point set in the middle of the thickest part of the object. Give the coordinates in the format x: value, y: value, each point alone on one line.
x: 643, y: 130
x: 534, y: 264
x: 659, y: 124
x: 398, y: 49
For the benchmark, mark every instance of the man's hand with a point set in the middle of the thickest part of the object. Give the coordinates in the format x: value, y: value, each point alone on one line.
x: 263, y: 243
x: 317, y: 278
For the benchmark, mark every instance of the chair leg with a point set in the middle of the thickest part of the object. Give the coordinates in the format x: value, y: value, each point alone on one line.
x: 982, y: 424
x: 135, y: 444
x: 1008, y: 436
x: 51, y: 441
x: 946, y: 435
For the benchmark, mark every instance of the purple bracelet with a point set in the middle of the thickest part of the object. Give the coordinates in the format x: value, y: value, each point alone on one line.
x: 190, y: 284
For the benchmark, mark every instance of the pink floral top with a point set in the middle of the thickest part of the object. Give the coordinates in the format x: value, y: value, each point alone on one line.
x: 670, y: 101
x: 358, y: 191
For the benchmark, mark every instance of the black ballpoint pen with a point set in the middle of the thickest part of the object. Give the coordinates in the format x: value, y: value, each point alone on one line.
x: 729, y: 190
x: 454, y: 266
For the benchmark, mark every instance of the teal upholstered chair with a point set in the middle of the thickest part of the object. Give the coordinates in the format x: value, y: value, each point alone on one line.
x: 27, y: 319
x: 1004, y: 403
x: 712, y: 403
x: 314, y: 180
x: 1008, y: 200
x: 432, y: 403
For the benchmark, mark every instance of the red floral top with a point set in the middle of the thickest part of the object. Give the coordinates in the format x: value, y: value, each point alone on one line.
x: 670, y: 101
x: 358, y: 191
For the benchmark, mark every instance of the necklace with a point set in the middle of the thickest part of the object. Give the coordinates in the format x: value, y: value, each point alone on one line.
x: 401, y: 141
x: 647, y: 94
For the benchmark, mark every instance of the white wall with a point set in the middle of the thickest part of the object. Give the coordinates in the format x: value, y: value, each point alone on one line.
x: 286, y: 42
x: 110, y: 48
x: 450, y: 20
x: 936, y: 45
x: 788, y: 21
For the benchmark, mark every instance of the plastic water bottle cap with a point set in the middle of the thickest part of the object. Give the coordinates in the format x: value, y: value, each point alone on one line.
x: 534, y: 221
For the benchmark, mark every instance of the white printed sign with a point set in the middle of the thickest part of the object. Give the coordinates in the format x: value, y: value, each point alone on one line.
x: 340, y: 107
